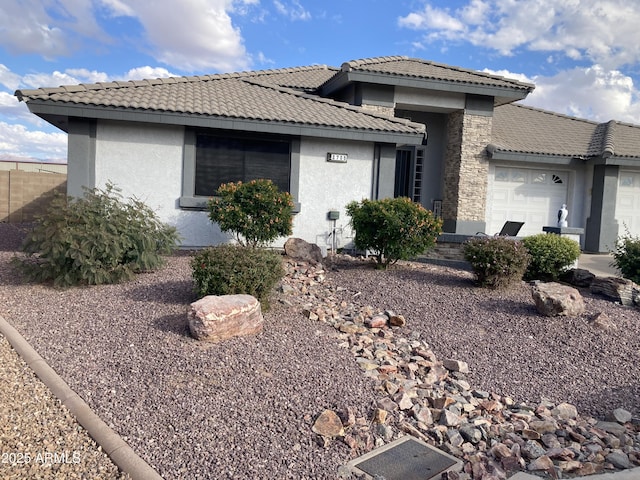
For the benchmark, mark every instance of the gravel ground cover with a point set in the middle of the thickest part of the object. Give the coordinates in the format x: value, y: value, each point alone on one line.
x: 39, y: 437
x: 244, y: 408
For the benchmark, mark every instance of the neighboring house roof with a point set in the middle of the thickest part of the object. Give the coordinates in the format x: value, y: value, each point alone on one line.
x: 251, y: 101
x: 418, y: 73
x: 521, y: 132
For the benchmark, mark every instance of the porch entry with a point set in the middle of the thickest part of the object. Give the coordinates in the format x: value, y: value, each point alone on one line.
x: 409, y: 172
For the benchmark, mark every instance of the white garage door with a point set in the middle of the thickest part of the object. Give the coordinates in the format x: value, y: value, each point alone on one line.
x: 628, y: 202
x: 526, y: 195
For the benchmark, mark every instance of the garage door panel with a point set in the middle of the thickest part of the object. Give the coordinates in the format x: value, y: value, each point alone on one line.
x: 533, y: 196
x: 628, y: 202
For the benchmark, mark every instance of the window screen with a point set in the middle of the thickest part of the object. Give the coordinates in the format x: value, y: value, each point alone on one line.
x: 226, y: 159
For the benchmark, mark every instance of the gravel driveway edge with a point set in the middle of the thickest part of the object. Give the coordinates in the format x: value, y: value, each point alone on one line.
x: 113, y: 445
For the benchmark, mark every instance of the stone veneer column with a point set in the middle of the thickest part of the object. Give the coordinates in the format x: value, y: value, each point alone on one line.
x: 466, y: 172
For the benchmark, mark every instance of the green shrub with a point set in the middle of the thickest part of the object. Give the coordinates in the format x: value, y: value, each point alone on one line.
x: 256, y: 212
x: 497, y: 262
x: 626, y: 256
x: 551, y: 255
x: 393, y: 228
x: 99, y: 238
x: 235, y: 269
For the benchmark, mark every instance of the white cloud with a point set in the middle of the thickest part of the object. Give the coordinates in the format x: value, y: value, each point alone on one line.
x: 191, y: 35
x: 592, y: 93
x: 602, y: 31
x: 147, y: 72
x: 294, y: 10
x: 16, y: 141
x: 50, y: 29
x: 8, y: 78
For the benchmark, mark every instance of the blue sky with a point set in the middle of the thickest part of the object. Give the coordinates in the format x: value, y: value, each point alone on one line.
x: 582, y: 55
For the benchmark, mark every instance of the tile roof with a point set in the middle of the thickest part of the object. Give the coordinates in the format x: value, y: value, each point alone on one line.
x: 401, y: 66
x: 246, y: 95
x: 521, y: 129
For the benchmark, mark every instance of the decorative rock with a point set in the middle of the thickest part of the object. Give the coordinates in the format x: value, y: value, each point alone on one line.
x: 380, y: 415
x: 619, y: 415
x: 328, y: 425
x: 532, y: 449
x: 470, y: 434
x: 612, y: 427
x: 303, y: 251
x: 565, y: 411
x: 455, y: 366
x: 553, y: 299
x: 395, y: 320
x: 216, y: 318
x: 602, y: 321
x: 541, y: 463
x: 578, y: 277
x: 617, y: 289
x: 449, y: 419
x: 377, y: 321
x: 618, y: 459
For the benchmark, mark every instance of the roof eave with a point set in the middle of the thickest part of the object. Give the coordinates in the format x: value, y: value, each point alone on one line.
x: 502, y: 94
x: 58, y: 116
x: 495, y: 153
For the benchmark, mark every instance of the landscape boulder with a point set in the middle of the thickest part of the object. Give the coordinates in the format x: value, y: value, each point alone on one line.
x: 617, y: 289
x: 301, y: 250
x: 578, y: 277
x: 216, y: 318
x: 553, y: 299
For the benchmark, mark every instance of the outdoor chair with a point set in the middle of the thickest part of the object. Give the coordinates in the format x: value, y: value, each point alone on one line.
x: 509, y: 229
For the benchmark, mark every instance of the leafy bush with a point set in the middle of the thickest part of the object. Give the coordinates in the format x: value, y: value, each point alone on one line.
x: 234, y: 269
x: 393, y: 228
x: 497, y: 262
x: 99, y: 238
x: 626, y: 256
x: 256, y: 212
x: 551, y: 255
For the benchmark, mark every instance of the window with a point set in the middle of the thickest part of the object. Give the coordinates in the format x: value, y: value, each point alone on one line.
x: 213, y: 158
x: 409, y: 172
x: 226, y: 159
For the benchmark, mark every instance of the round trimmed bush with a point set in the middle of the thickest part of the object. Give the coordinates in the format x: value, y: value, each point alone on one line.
x: 497, y: 262
x: 393, y: 228
x: 551, y: 255
x: 256, y: 212
x: 235, y: 269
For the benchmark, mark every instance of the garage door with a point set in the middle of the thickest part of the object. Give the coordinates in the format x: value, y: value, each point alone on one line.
x: 628, y: 202
x: 527, y: 195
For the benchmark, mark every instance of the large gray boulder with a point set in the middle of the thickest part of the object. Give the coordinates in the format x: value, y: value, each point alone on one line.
x: 216, y: 318
x: 553, y: 299
x: 303, y: 251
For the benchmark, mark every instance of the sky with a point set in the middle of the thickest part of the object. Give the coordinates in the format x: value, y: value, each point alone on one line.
x: 582, y: 55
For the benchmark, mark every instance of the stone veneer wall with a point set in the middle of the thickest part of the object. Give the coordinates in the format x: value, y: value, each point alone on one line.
x: 379, y: 109
x: 466, y: 168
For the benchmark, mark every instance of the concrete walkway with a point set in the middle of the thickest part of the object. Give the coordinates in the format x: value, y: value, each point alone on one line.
x: 600, y: 265
x: 632, y: 474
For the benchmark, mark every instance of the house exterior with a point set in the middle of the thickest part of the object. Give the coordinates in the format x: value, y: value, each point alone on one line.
x: 449, y: 138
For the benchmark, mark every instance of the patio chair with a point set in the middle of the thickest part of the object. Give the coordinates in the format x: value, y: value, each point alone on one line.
x: 509, y: 229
